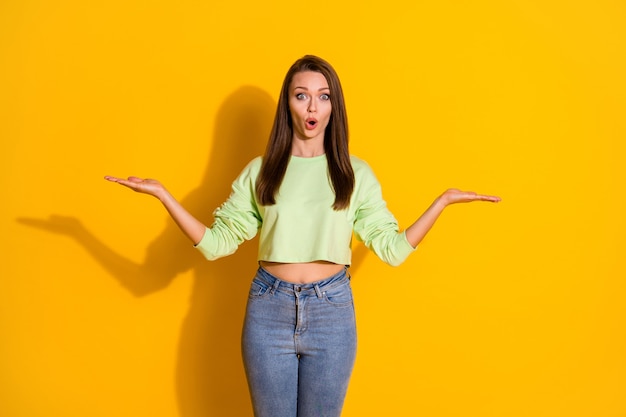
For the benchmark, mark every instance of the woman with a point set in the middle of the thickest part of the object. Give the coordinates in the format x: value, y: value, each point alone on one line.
x: 305, y: 197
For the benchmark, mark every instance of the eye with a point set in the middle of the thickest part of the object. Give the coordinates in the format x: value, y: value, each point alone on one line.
x: 325, y: 97
x: 301, y: 96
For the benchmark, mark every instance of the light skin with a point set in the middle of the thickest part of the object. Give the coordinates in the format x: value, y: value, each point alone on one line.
x: 309, y: 101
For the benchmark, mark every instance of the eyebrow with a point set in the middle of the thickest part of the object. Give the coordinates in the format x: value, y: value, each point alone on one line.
x: 304, y: 88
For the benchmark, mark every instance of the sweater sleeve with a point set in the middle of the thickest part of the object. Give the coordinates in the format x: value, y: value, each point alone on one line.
x: 376, y: 226
x: 236, y: 220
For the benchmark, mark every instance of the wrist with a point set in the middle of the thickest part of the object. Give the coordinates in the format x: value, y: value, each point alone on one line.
x: 163, y: 196
x: 441, y: 202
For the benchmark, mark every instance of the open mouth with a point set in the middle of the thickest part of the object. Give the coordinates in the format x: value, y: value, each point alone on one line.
x: 311, y: 123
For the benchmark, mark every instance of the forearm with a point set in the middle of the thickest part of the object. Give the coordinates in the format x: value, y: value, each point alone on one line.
x: 418, y: 230
x: 190, y: 226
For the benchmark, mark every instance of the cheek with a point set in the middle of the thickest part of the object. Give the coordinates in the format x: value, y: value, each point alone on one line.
x: 293, y: 112
x: 328, y: 111
x: 296, y: 107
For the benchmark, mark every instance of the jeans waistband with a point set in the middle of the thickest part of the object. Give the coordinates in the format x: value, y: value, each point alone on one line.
x: 316, y: 287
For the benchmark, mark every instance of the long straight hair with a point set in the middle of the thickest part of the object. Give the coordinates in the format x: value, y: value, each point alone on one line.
x: 278, y: 151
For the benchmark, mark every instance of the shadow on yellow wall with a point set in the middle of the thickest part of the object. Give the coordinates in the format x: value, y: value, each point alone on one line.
x: 209, y: 375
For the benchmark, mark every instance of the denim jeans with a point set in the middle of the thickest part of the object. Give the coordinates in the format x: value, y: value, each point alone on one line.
x: 299, y: 345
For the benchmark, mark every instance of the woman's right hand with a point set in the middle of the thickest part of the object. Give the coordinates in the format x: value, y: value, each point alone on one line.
x: 192, y: 227
x: 140, y: 185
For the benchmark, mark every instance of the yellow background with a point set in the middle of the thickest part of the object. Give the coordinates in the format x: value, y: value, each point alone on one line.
x: 512, y: 310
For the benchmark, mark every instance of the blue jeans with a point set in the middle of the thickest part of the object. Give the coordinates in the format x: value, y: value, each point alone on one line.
x: 299, y: 345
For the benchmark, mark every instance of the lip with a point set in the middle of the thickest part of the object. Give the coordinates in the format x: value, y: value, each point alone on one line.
x: 310, y: 123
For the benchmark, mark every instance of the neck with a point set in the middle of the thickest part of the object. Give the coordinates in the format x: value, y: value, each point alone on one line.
x: 307, y: 149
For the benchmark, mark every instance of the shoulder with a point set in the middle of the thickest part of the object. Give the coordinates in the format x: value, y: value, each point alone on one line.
x: 255, y: 164
x: 250, y: 172
x: 360, y: 167
x: 253, y: 167
x: 364, y: 177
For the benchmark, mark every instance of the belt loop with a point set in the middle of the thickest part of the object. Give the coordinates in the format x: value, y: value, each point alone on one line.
x: 275, y: 286
x: 317, y: 291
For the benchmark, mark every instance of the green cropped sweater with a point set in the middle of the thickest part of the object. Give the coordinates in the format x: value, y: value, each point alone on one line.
x: 302, y: 226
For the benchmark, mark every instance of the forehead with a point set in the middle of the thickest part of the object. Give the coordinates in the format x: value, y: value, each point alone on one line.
x: 309, y: 79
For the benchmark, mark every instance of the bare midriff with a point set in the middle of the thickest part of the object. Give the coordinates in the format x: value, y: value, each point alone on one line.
x: 302, y: 273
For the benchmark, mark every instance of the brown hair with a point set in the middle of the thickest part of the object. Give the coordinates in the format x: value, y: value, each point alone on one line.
x: 278, y: 151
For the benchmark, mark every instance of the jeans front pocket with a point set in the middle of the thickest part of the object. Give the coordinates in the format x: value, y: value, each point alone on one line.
x: 339, y: 296
x: 258, y: 288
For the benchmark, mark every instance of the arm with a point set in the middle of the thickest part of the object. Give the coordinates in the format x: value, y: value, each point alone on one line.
x: 191, y: 227
x: 416, y: 232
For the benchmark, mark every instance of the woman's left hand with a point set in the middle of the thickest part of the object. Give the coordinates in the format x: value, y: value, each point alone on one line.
x: 453, y: 196
x: 416, y: 232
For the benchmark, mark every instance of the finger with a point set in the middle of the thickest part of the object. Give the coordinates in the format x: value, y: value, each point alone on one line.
x: 127, y: 183
x: 132, y: 185
x: 491, y: 198
x: 135, y: 179
x: 120, y: 181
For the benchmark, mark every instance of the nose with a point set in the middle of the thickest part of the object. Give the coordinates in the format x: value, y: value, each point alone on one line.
x: 312, y: 107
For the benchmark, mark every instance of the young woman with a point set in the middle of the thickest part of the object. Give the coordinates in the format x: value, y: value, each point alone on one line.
x: 305, y: 197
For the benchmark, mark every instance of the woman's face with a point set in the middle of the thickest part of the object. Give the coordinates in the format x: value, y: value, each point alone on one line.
x: 309, y: 104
